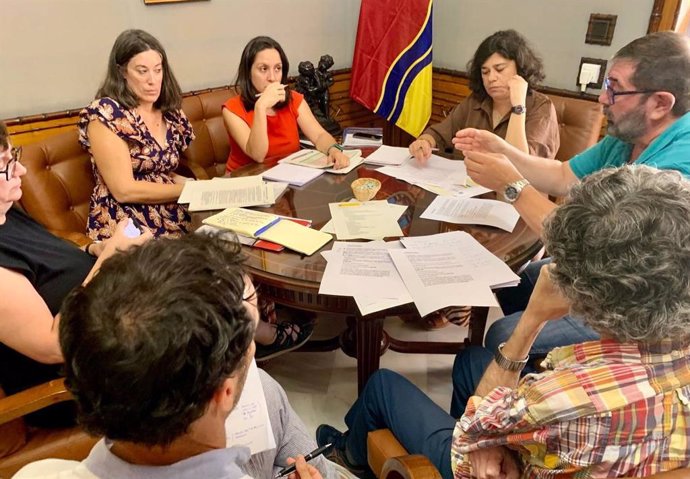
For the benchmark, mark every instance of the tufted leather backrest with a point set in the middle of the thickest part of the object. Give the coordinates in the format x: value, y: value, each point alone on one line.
x: 208, y: 153
x: 579, y: 124
x: 58, y: 184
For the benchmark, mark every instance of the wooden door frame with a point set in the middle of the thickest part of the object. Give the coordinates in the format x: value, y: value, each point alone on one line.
x: 664, y: 15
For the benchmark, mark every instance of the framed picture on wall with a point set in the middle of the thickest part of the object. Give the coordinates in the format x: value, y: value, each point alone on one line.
x: 149, y: 2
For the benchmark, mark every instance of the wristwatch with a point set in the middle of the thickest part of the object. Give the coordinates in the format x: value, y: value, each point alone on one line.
x: 518, y: 109
x: 508, y: 364
x: 513, y: 190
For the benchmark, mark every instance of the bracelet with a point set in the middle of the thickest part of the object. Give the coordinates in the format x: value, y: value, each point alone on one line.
x: 336, y: 145
x: 508, y: 364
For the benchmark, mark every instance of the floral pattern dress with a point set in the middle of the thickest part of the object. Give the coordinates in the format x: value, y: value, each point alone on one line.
x: 150, y: 162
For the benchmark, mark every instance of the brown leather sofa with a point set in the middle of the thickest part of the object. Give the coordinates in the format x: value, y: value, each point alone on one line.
x: 579, y: 125
x: 208, y: 153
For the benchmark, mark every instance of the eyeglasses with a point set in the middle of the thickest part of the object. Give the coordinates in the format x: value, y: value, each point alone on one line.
x: 612, y: 94
x: 15, y: 157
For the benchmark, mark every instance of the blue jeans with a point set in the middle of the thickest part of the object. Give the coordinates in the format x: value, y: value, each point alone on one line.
x: 470, y: 364
x: 391, y: 401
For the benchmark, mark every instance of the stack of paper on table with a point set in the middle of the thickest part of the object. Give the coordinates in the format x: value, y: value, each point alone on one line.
x: 222, y: 193
x: 248, y: 240
x: 366, y: 272
x: 473, y: 211
x: 360, y: 136
x: 316, y: 159
x: 439, y: 175
x: 388, y: 155
x: 249, y: 424
x: 448, y: 269
x: 368, y: 220
x: 292, y: 174
x: 269, y: 227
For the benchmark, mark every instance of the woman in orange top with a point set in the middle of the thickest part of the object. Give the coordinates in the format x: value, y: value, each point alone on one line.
x: 265, y: 118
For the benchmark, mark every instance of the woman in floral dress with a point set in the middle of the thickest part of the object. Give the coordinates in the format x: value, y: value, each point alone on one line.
x: 135, y: 131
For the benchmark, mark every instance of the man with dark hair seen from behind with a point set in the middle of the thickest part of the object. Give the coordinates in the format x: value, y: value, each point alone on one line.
x: 157, y: 349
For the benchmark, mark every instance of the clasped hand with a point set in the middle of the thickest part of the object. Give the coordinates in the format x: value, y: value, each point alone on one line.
x: 273, y: 94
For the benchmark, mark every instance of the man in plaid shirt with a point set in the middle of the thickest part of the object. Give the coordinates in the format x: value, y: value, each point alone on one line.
x: 615, y: 407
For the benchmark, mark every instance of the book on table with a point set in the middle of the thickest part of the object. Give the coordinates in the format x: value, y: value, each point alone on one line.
x: 361, y: 136
x: 270, y: 227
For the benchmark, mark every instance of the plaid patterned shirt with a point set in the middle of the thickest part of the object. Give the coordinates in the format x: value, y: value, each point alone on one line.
x: 602, y: 409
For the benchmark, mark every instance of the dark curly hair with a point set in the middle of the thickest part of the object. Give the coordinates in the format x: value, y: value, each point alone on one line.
x: 513, y: 46
x: 155, y: 334
x: 244, y: 71
x: 621, y: 250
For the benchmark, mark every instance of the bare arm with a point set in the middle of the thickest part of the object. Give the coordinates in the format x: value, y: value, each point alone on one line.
x: 548, y: 176
x: 26, y: 323
x: 546, y: 303
x: 323, y: 141
x: 114, y: 163
x: 516, y: 134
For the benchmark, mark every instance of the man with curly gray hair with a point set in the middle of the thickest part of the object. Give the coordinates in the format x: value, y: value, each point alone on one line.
x: 613, y: 407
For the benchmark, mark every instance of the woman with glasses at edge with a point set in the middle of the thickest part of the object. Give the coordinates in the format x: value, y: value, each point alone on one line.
x: 37, y: 270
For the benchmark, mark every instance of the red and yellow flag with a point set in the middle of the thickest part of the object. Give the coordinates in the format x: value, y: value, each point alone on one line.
x: 391, y: 68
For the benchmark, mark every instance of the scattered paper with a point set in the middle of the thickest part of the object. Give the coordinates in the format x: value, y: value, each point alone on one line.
x: 369, y: 220
x: 292, y: 174
x: 249, y: 424
x: 296, y: 237
x: 388, y: 155
x: 472, y: 211
x: 226, y: 192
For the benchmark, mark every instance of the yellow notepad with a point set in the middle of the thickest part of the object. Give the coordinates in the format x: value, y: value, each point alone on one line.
x: 246, y: 222
x: 296, y: 237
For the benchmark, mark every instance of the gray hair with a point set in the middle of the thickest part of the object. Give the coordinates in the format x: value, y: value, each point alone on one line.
x: 621, y: 248
x: 662, y: 62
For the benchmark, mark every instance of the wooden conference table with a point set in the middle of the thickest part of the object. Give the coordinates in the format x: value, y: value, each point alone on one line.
x: 293, y: 280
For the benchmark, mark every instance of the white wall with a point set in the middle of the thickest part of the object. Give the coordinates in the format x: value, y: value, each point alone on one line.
x: 556, y: 28
x: 53, y: 53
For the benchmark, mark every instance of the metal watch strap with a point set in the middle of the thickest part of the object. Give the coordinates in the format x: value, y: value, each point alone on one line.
x: 508, y: 364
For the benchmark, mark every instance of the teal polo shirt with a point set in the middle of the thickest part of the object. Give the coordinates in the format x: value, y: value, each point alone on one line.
x: 668, y: 151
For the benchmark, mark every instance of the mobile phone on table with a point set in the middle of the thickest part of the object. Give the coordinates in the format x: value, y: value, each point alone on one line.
x: 368, y: 136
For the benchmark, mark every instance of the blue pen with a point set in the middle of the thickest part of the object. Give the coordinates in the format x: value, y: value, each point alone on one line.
x: 263, y: 229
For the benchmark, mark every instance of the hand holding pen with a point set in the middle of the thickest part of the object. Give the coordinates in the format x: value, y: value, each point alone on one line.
x: 304, y: 470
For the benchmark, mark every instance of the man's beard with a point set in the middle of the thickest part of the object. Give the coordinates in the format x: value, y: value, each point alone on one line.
x: 629, y: 127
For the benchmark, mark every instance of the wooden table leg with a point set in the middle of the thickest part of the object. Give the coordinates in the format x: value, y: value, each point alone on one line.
x: 369, y: 337
x: 478, y: 324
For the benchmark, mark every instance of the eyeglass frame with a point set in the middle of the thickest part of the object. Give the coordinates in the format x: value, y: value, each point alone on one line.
x: 15, y: 157
x: 611, y: 94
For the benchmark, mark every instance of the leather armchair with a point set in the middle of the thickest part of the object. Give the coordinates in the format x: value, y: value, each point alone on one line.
x: 21, y: 445
x: 389, y: 460
x: 58, y: 185
x: 579, y: 124
x: 207, y: 155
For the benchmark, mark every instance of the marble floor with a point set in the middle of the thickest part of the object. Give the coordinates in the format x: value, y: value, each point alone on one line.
x: 322, y: 386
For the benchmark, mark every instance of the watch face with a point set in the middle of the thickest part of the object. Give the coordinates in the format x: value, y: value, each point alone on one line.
x: 518, y: 109
x: 511, y: 193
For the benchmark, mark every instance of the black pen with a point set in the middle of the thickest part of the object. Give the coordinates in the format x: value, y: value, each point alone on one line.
x: 315, y: 453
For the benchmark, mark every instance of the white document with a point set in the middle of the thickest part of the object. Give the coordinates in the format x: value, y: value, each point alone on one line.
x: 479, y: 261
x: 366, y: 272
x: 369, y: 220
x: 293, y: 174
x: 440, y: 278
x: 388, y: 155
x: 248, y: 424
x: 437, y: 171
x: 226, y: 193
x: 351, y: 140
x: 472, y: 211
